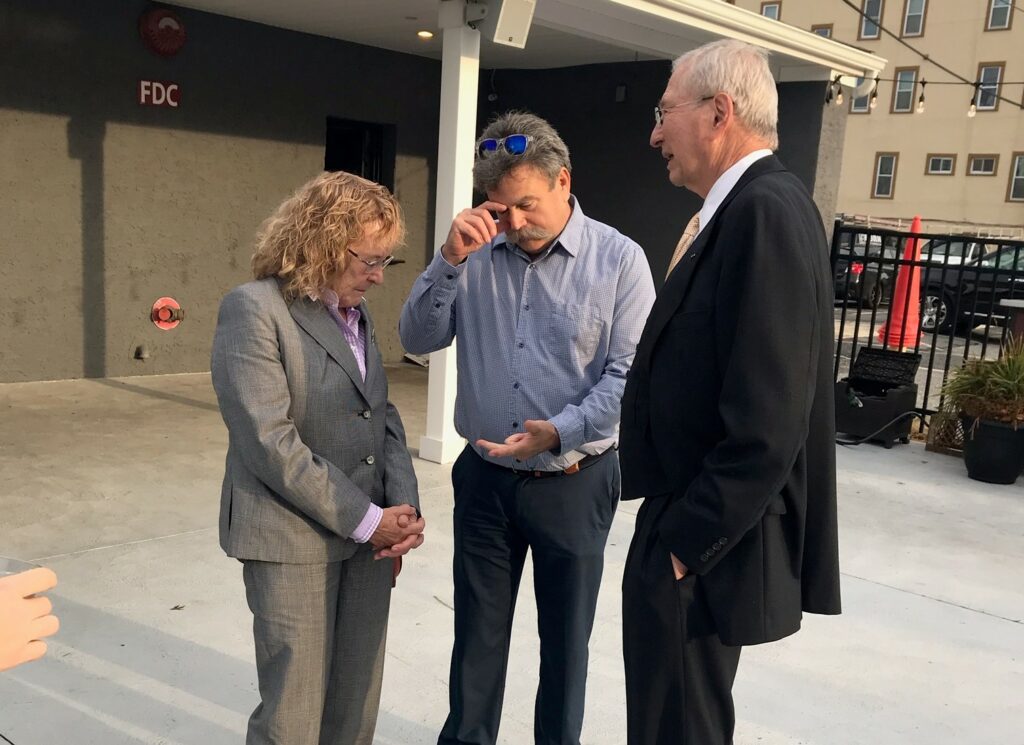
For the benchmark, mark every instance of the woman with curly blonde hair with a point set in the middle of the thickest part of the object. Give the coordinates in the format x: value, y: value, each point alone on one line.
x: 318, y: 484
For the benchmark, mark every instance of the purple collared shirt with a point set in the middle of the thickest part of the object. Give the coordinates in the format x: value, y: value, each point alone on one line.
x: 347, y: 319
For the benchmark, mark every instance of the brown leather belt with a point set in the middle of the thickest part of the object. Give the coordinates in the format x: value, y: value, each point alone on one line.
x: 585, y: 462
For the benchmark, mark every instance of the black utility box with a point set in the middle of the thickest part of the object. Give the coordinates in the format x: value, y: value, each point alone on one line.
x: 880, y: 388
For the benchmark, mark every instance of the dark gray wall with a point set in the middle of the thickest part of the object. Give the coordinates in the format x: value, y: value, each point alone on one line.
x: 106, y: 205
x: 618, y: 178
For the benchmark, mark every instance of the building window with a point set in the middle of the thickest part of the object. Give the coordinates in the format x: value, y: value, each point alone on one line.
x: 990, y: 75
x: 885, y: 175
x: 940, y: 165
x: 982, y: 165
x: 903, y: 90
x: 913, y: 17
x: 822, y: 29
x: 860, y: 104
x: 871, y: 21
x: 771, y: 10
x: 1000, y: 15
x: 1015, y: 191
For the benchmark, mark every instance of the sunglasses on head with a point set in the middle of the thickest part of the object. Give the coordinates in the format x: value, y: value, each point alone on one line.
x: 511, y: 144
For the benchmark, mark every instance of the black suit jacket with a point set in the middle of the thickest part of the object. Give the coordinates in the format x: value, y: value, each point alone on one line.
x: 727, y: 415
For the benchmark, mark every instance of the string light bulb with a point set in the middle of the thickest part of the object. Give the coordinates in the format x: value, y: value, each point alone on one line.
x: 920, y: 99
x: 839, y: 97
x: 973, y: 108
x: 874, y: 95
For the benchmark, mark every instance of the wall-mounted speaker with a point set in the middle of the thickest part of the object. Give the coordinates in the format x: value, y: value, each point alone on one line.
x: 508, y: 21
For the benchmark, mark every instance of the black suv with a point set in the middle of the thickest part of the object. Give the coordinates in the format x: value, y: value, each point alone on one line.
x: 969, y: 295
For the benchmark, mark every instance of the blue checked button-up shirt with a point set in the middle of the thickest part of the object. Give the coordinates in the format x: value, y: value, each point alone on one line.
x: 549, y: 339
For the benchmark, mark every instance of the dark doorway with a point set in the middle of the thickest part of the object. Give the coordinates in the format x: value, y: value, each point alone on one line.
x: 363, y: 148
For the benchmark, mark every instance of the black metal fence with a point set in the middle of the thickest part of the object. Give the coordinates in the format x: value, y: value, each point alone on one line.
x: 968, y: 288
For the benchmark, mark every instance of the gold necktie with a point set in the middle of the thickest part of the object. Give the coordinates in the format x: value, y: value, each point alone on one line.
x: 692, y: 228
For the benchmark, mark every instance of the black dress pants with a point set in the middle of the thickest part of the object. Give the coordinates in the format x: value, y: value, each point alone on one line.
x: 564, y: 520
x: 679, y: 675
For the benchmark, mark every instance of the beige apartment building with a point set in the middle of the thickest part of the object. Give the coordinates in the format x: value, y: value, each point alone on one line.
x: 959, y: 172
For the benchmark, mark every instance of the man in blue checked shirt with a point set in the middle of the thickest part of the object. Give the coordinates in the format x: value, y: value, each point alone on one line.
x: 548, y: 306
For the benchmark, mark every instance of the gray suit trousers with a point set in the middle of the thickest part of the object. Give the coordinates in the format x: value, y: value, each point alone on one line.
x: 320, y: 631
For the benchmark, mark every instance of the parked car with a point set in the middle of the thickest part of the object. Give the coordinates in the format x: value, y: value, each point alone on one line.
x: 865, y: 268
x: 959, y: 250
x: 969, y: 295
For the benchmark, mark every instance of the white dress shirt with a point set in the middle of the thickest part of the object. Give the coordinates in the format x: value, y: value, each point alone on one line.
x: 724, y: 184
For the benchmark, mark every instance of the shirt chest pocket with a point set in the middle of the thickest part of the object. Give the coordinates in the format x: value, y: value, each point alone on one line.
x: 574, y: 333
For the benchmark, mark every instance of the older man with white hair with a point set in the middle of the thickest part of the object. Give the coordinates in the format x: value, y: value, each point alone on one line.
x: 727, y: 415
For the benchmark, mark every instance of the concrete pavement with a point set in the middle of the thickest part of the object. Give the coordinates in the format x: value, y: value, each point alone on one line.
x: 115, y: 484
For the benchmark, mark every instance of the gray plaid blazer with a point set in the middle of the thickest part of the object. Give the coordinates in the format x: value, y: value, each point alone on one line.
x: 310, y: 443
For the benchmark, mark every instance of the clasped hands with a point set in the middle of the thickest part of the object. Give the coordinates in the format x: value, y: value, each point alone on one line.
x: 399, y: 531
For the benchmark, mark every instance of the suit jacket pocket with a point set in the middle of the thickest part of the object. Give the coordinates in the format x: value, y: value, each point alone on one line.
x: 695, y: 318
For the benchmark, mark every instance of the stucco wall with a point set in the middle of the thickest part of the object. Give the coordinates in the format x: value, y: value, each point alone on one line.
x: 106, y: 206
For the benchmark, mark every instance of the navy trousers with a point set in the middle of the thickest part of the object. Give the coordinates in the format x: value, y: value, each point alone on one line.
x: 564, y: 521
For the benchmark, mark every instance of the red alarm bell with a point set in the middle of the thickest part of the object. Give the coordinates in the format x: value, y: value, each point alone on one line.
x: 162, y: 31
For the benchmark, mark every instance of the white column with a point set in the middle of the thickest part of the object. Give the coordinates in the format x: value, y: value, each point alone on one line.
x: 460, y: 68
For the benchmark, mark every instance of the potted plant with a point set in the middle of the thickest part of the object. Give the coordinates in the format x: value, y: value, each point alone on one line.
x: 989, y: 397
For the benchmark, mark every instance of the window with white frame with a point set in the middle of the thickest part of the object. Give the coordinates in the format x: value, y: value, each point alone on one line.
x: 913, y: 17
x: 1015, y: 191
x: 903, y: 90
x: 940, y: 165
x: 1000, y: 15
x: 860, y: 104
x: 822, y: 29
x: 885, y: 176
x: 871, y: 20
x: 771, y: 10
x: 982, y: 165
x: 989, y: 77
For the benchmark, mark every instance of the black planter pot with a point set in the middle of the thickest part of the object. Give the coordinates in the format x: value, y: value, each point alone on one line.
x: 993, y: 451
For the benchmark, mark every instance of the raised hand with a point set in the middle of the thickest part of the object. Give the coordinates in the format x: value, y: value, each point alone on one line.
x: 471, y: 230
x: 25, y: 620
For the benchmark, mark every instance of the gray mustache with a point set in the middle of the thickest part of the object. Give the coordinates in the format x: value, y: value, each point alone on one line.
x: 529, y: 233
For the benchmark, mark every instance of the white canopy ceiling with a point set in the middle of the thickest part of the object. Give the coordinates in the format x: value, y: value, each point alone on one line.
x: 565, y: 32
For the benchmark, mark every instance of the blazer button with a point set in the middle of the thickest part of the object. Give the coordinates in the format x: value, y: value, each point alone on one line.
x: 369, y: 460
x: 365, y: 414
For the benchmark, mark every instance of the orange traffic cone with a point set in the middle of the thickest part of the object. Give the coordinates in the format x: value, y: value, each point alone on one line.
x: 900, y: 331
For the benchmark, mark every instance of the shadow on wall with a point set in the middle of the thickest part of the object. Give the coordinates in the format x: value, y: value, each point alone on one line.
x: 85, y: 144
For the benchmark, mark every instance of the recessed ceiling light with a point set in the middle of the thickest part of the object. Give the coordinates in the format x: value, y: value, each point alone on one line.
x: 425, y: 34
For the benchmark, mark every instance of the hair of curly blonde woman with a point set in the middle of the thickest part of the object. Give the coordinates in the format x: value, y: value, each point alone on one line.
x: 305, y: 242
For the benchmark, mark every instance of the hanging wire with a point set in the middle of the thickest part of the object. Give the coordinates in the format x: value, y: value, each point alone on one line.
x: 839, y: 90
x: 928, y: 58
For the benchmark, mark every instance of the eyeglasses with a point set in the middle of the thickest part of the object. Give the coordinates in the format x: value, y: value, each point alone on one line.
x: 511, y: 144
x: 660, y: 111
x: 375, y: 264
